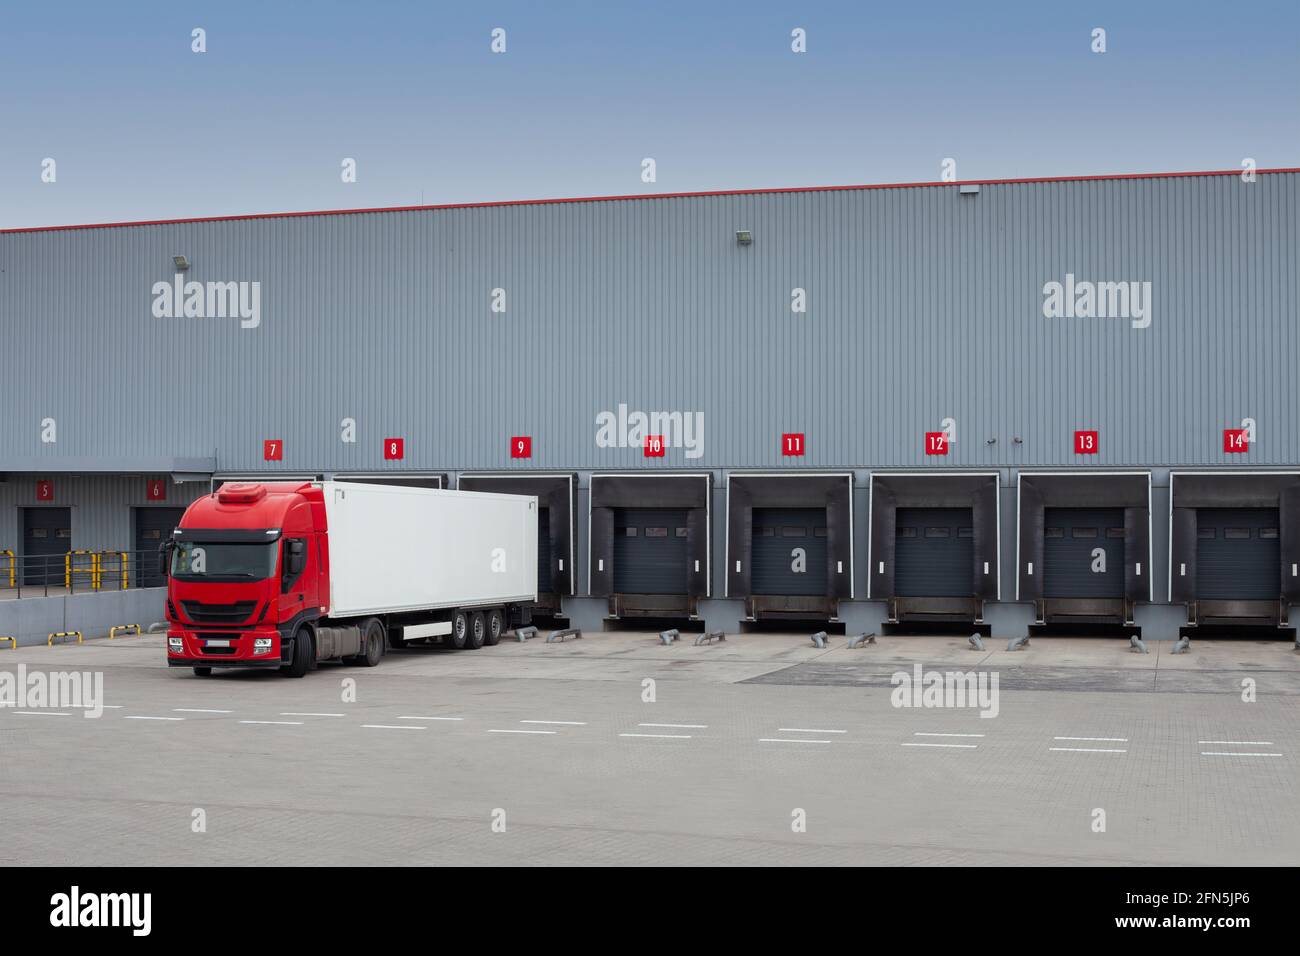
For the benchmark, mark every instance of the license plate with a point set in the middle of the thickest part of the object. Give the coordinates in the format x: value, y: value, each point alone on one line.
x: 216, y: 643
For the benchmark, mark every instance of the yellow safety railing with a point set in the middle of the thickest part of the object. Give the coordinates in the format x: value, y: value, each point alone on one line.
x: 106, y: 561
x: 13, y: 642
x: 50, y: 641
x: 71, y: 569
x: 12, y: 563
x: 112, y: 631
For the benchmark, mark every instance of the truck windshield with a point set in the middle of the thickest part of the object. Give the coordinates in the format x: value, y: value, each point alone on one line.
x: 195, y: 560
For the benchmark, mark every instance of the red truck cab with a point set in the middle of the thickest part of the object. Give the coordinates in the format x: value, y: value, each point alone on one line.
x: 248, y: 578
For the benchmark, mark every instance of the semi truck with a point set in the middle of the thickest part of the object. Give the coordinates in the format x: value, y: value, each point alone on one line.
x: 288, y: 574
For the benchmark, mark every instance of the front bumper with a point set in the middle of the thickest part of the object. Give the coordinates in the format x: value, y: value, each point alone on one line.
x: 210, y: 648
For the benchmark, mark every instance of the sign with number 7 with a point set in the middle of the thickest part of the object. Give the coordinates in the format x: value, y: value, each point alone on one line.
x: 273, y: 450
x: 521, y: 446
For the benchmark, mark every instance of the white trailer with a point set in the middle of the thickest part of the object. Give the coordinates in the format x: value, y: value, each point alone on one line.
x: 430, y: 563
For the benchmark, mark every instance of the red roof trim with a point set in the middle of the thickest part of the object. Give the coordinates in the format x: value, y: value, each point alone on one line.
x: 685, y: 195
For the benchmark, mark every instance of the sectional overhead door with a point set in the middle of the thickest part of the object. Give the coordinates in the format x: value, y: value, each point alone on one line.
x: 1083, y: 554
x: 934, y: 552
x: 153, y: 526
x: 545, y: 557
x: 1238, y: 554
x: 650, y: 551
x: 789, y: 551
x: 47, y: 537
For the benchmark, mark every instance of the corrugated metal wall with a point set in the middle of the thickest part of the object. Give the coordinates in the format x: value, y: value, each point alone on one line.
x: 922, y: 304
x: 101, y: 508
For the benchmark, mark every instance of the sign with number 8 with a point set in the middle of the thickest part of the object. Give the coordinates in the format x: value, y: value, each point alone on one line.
x: 394, y: 449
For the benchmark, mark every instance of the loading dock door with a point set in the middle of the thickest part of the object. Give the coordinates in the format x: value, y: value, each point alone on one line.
x: 934, y: 552
x: 789, y: 551
x: 545, y: 559
x: 1238, y: 554
x: 1083, y: 554
x: 153, y: 526
x: 47, y: 537
x: 650, y: 551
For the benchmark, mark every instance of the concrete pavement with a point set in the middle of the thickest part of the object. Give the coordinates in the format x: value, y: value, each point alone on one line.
x: 741, y: 741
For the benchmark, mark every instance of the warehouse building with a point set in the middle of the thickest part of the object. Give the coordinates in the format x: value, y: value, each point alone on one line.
x: 1045, y: 404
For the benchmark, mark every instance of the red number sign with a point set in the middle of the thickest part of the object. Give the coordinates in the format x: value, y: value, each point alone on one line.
x: 792, y: 444
x: 155, y: 489
x: 273, y: 449
x: 1085, y: 443
x: 45, y: 490
x: 1234, y: 441
x: 394, y: 449
x: 654, y: 446
x: 936, y: 443
x: 521, y: 446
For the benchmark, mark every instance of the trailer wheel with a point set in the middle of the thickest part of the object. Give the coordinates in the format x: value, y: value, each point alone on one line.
x: 203, y: 672
x: 477, y: 631
x: 459, y: 630
x: 303, y: 652
x: 495, y: 627
x: 372, y: 640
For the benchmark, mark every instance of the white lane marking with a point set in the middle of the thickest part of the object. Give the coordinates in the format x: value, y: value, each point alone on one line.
x: 1213, y: 753
x: 953, y: 746
x: 198, y: 710
x: 678, y: 726
x: 113, y: 706
x: 43, y: 713
x: 523, y: 731
x: 790, y: 740
x: 138, y: 717
x: 806, y: 730
x: 290, y: 723
x: 292, y: 713
x: 1238, y: 743
x: 1103, y: 740
x: 429, y: 718
x: 659, y: 736
x: 1087, y: 750
x: 393, y: 727
x: 922, y: 734
x: 566, y: 723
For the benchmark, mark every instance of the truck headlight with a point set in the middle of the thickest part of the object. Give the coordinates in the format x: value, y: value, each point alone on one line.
x: 261, y: 645
x: 177, y: 644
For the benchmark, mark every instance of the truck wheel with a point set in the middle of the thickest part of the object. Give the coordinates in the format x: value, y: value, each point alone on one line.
x: 372, y: 640
x: 477, y: 631
x: 203, y: 672
x: 303, y: 652
x: 459, y: 630
x: 496, y: 626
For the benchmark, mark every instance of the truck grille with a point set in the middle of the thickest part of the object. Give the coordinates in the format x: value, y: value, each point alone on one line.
x: 236, y: 613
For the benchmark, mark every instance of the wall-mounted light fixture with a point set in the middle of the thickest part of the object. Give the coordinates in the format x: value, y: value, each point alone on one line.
x: 181, y: 263
x: 969, y: 189
x: 744, y: 237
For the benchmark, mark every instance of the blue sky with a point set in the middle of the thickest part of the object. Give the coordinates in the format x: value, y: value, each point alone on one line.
x: 141, y: 127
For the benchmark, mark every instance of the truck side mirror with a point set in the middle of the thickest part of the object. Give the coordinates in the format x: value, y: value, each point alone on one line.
x: 297, y: 558
x: 164, y: 558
